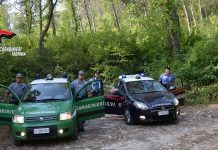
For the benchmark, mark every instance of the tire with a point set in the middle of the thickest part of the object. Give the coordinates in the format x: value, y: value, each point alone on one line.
x: 75, y: 133
x: 18, y: 143
x: 182, y: 102
x: 129, y: 119
x: 176, y: 120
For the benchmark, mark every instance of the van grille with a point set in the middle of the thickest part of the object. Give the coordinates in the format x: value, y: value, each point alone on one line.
x: 42, y: 118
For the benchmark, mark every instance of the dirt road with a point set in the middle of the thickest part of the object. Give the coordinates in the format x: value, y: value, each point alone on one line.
x: 197, y: 130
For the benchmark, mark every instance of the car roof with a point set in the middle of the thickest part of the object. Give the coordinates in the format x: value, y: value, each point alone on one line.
x: 54, y: 80
x: 131, y: 78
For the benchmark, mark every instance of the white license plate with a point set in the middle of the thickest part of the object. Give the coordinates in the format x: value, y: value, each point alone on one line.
x: 162, y: 113
x: 41, y: 131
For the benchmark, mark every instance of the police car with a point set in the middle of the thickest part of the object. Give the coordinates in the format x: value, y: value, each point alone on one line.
x: 141, y: 99
x: 48, y: 109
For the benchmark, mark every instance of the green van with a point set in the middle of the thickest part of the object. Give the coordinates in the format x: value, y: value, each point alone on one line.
x: 48, y: 109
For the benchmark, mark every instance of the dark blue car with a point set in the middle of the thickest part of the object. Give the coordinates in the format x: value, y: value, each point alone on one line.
x: 141, y: 99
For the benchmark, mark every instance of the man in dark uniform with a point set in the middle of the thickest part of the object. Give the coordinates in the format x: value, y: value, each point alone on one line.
x: 17, y: 87
x: 167, y: 78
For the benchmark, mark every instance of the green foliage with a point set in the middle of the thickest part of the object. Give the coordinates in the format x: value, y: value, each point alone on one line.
x: 201, y: 63
x: 202, y: 95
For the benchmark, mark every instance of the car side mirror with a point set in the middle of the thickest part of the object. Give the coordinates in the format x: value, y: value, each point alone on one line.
x: 172, y: 87
x: 116, y: 92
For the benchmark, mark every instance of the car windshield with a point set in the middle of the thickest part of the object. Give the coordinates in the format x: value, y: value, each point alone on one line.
x: 47, y: 92
x: 144, y: 86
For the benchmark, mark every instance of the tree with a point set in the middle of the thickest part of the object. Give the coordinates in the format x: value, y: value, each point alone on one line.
x: 88, y: 15
x: 187, y: 16
x: 115, y: 15
x: 51, y: 7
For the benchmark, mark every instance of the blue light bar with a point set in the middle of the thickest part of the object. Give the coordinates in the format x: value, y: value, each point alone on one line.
x: 142, y: 74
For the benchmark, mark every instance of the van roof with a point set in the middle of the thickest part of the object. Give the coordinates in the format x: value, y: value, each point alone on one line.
x: 54, y: 80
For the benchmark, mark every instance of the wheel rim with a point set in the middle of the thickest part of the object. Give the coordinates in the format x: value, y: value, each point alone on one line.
x: 128, y: 116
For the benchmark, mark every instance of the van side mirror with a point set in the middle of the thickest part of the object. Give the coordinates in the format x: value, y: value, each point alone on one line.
x: 14, y: 101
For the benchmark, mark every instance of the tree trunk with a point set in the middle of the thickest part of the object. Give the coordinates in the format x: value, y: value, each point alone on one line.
x: 192, y: 12
x: 73, y: 7
x: 53, y: 26
x: 199, y: 9
x: 115, y: 16
x: 93, y: 17
x: 81, y: 24
x: 186, y: 16
x: 41, y: 40
x: 88, y: 16
x: 176, y: 32
x: 49, y: 19
x: 145, y: 4
x: 27, y: 15
x: 174, y: 24
x: 204, y: 13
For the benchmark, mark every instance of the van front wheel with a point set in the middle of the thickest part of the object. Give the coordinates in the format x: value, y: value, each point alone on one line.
x: 75, y: 133
x: 18, y: 143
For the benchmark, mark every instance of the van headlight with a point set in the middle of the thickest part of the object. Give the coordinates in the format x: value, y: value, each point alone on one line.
x: 65, y: 116
x: 18, y: 119
x: 176, y: 101
x: 140, y: 105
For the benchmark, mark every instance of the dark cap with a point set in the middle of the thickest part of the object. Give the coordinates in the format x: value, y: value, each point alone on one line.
x: 81, y: 72
x: 167, y: 67
x: 19, y: 75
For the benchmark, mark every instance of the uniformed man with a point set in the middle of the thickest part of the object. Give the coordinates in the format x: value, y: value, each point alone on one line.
x: 167, y: 78
x: 96, y: 86
x: 17, y: 87
x: 76, y: 86
x: 96, y: 76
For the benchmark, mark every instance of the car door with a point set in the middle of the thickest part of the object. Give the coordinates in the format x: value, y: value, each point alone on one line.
x: 89, y: 101
x: 179, y: 91
x: 7, y: 105
x: 114, y: 100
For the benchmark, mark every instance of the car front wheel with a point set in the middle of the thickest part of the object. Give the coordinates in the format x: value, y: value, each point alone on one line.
x: 129, y: 119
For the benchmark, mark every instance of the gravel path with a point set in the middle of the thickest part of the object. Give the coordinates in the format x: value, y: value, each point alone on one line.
x: 197, y: 130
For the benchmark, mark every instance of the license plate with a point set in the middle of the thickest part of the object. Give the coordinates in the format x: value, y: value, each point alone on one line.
x: 41, y: 131
x: 162, y: 113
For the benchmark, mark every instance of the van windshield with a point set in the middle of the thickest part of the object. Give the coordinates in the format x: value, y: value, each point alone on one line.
x: 47, y: 92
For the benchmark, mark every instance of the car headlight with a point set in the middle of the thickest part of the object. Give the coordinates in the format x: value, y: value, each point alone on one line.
x: 18, y: 119
x: 65, y: 116
x: 176, y: 101
x: 140, y: 105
